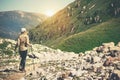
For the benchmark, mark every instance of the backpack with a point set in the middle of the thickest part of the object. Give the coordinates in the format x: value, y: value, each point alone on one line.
x: 23, y: 40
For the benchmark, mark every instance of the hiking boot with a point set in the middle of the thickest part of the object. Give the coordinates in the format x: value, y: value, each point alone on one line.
x: 22, y: 70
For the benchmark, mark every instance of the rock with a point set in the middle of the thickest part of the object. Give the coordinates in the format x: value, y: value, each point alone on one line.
x: 99, y: 63
x: 1, y: 41
x: 60, y: 78
x: 118, y: 65
x: 43, y: 78
x: 118, y: 45
x: 114, y: 76
x: 117, y: 72
x: 96, y: 59
x: 115, y: 48
x: 106, y: 63
x: 111, y: 44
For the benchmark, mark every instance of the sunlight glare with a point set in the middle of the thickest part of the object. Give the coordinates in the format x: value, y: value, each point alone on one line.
x: 49, y: 13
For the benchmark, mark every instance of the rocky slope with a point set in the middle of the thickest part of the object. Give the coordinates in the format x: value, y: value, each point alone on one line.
x: 12, y: 21
x: 101, y: 63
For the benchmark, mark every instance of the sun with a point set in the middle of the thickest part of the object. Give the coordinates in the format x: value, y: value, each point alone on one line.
x: 49, y: 13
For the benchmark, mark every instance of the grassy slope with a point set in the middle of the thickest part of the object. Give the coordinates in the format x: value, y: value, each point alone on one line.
x: 60, y: 25
x: 55, y: 31
x: 105, y: 32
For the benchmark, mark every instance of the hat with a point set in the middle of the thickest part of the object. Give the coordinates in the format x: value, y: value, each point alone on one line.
x: 23, y: 30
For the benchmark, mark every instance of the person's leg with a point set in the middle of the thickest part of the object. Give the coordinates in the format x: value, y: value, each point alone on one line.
x: 24, y: 59
x: 23, y: 55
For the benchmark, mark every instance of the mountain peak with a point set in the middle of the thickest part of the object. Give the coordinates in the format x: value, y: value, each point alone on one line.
x: 12, y: 21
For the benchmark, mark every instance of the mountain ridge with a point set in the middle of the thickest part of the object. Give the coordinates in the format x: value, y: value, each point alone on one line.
x: 12, y: 21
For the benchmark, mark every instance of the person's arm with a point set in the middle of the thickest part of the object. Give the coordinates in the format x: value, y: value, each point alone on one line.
x: 17, y: 44
x: 28, y: 42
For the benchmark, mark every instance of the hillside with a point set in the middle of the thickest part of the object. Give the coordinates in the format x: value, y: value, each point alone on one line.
x: 12, y: 21
x: 104, y: 32
x: 78, y: 18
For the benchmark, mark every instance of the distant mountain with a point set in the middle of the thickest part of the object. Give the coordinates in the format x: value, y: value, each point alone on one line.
x: 12, y: 21
x: 80, y: 26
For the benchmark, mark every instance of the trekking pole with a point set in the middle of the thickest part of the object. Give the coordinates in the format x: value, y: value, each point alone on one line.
x: 33, y: 56
x: 33, y: 62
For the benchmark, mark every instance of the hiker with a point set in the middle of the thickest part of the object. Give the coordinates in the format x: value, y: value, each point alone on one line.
x: 23, y: 43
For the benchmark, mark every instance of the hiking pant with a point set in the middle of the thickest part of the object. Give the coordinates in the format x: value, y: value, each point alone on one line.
x: 23, y: 55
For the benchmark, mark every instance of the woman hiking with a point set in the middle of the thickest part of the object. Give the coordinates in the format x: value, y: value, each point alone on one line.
x: 22, y: 44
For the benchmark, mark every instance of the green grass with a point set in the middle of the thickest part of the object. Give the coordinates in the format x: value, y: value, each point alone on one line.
x: 5, y: 50
x: 73, y: 33
x: 105, y: 32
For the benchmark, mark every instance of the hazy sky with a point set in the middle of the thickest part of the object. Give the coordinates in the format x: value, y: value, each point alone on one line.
x: 40, y: 6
